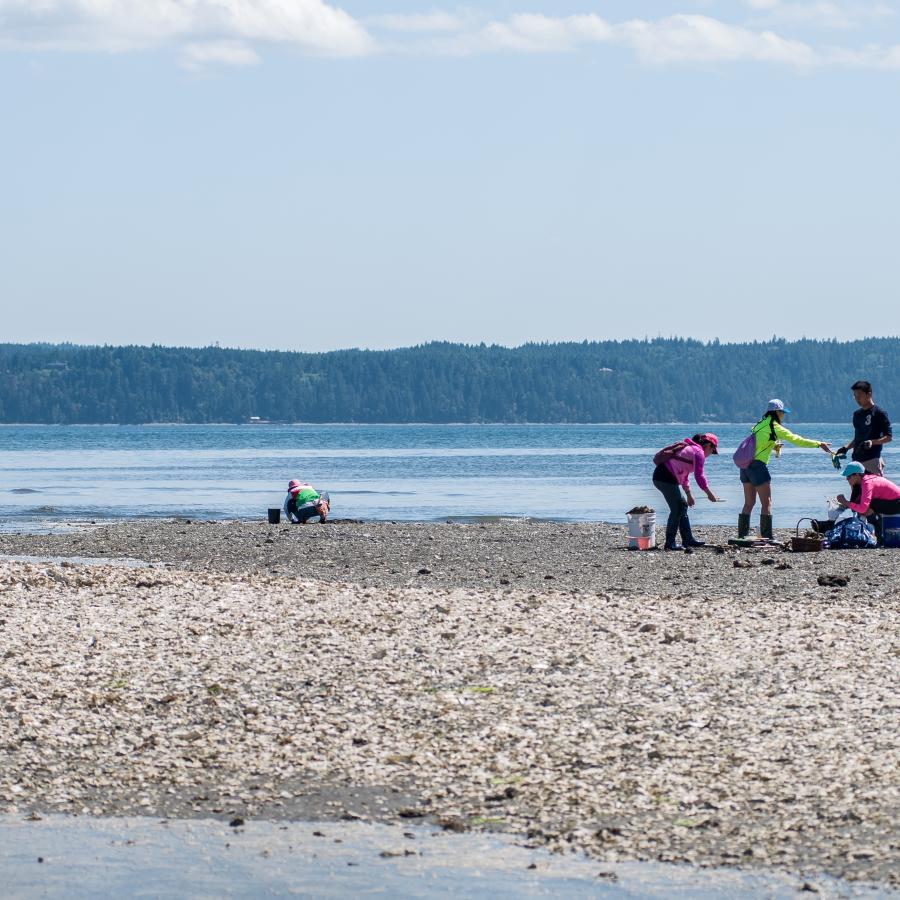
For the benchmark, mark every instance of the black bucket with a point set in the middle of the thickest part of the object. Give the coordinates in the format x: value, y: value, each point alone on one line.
x: 274, y: 516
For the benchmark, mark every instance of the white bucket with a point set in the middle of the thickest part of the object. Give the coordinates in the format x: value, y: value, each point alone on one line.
x: 833, y: 508
x: 641, y: 530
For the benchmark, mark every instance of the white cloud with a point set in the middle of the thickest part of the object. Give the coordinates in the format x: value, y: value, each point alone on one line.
x: 676, y: 39
x: 233, y: 32
x: 118, y: 25
x: 693, y: 38
x: 229, y: 53
x: 819, y: 13
x: 874, y: 56
x: 542, y: 34
x: 434, y: 21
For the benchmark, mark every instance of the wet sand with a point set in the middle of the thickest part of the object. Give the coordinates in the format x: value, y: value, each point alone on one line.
x: 534, y: 677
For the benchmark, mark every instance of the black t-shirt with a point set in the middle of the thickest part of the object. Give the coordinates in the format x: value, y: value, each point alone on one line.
x: 869, y: 425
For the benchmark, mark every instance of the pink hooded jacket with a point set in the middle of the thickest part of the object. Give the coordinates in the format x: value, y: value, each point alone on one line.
x: 690, y: 459
x: 875, y: 487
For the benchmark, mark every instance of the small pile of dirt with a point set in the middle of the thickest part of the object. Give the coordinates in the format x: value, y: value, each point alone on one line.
x: 834, y: 580
x: 639, y: 511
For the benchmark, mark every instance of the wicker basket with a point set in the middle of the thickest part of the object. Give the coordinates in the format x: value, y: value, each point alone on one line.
x: 803, y: 544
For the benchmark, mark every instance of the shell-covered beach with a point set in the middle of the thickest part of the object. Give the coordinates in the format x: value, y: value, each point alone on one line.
x: 718, y: 707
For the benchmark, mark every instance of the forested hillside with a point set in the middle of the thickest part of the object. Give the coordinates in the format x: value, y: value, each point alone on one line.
x: 610, y: 381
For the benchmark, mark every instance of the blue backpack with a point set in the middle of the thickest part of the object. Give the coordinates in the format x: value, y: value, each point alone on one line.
x: 851, y: 534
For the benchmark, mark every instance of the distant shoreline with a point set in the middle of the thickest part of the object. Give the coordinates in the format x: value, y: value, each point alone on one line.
x: 844, y: 423
x: 661, y: 380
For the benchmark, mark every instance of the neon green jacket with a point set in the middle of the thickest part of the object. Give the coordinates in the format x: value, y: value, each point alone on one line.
x: 764, y: 442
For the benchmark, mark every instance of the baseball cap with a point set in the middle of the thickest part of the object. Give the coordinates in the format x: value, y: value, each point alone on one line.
x: 853, y: 468
x: 777, y: 406
x: 710, y: 438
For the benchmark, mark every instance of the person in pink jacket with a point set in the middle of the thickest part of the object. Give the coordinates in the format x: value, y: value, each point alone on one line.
x: 872, y: 496
x: 674, y: 465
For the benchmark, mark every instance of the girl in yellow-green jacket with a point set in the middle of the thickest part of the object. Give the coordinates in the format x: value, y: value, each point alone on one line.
x: 755, y: 478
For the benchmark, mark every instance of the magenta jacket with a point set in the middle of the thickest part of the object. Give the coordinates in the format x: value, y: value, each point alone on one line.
x: 874, y: 487
x: 689, y: 460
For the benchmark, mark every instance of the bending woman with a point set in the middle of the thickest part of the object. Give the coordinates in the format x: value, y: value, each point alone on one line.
x: 756, y: 479
x: 672, y: 474
x: 872, y: 496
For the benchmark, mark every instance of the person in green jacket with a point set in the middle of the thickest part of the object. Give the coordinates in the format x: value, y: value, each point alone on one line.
x: 756, y: 480
x: 303, y: 502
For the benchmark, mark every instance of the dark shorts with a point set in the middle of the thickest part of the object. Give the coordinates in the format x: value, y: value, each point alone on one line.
x: 756, y: 473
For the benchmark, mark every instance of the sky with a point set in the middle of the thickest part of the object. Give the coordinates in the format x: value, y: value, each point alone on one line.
x: 295, y: 174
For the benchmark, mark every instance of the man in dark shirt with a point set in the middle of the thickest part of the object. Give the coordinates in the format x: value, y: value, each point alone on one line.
x: 871, y: 430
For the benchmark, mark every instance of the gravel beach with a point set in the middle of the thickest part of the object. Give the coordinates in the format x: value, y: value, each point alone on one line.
x: 721, y: 707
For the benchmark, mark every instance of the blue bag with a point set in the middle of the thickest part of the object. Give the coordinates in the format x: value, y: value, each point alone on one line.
x: 851, y: 534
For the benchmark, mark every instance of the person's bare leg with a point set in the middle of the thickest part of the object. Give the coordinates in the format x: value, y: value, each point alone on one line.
x: 765, y: 512
x: 744, y: 517
x: 749, y: 499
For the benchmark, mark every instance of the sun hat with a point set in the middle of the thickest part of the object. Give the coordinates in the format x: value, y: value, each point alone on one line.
x: 777, y: 406
x: 853, y: 468
x: 710, y: 438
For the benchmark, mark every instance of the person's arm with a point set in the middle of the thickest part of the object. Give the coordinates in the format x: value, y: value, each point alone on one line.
x: 686, y: 487
x: 798, y: 441
x: 846, y: 448
x: 700, y: 475
x: 681, y: 475
x: 865, y: 498
x: 678, y: 473
x: 884, y: 426
x: 877, y: 442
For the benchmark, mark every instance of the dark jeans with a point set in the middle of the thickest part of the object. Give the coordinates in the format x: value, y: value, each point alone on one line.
x: 677, y: 504
x: 878, y: 509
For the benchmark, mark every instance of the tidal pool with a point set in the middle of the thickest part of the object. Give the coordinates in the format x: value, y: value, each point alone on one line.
x: 83, y: 857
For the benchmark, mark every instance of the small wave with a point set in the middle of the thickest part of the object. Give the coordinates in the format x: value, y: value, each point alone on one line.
x: 373, y: 493
x: 24, y: 491
x: 484, y: 520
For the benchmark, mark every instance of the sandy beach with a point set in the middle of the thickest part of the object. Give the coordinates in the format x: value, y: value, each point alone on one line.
x: 719, y: 707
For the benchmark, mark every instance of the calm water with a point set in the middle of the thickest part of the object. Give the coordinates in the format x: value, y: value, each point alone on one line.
x: 53, y: 474
x: 89, y: 858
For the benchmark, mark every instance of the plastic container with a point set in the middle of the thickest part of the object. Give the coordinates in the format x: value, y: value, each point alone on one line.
x: 890, y: 526
x: 834, y: 509
x: 641, y: 531
x: 274, y: 515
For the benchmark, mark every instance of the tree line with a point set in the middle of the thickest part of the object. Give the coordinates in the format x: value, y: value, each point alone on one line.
x: 662, y: 380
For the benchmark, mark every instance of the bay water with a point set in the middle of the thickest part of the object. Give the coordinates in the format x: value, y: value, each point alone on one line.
x: 53, y: 475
